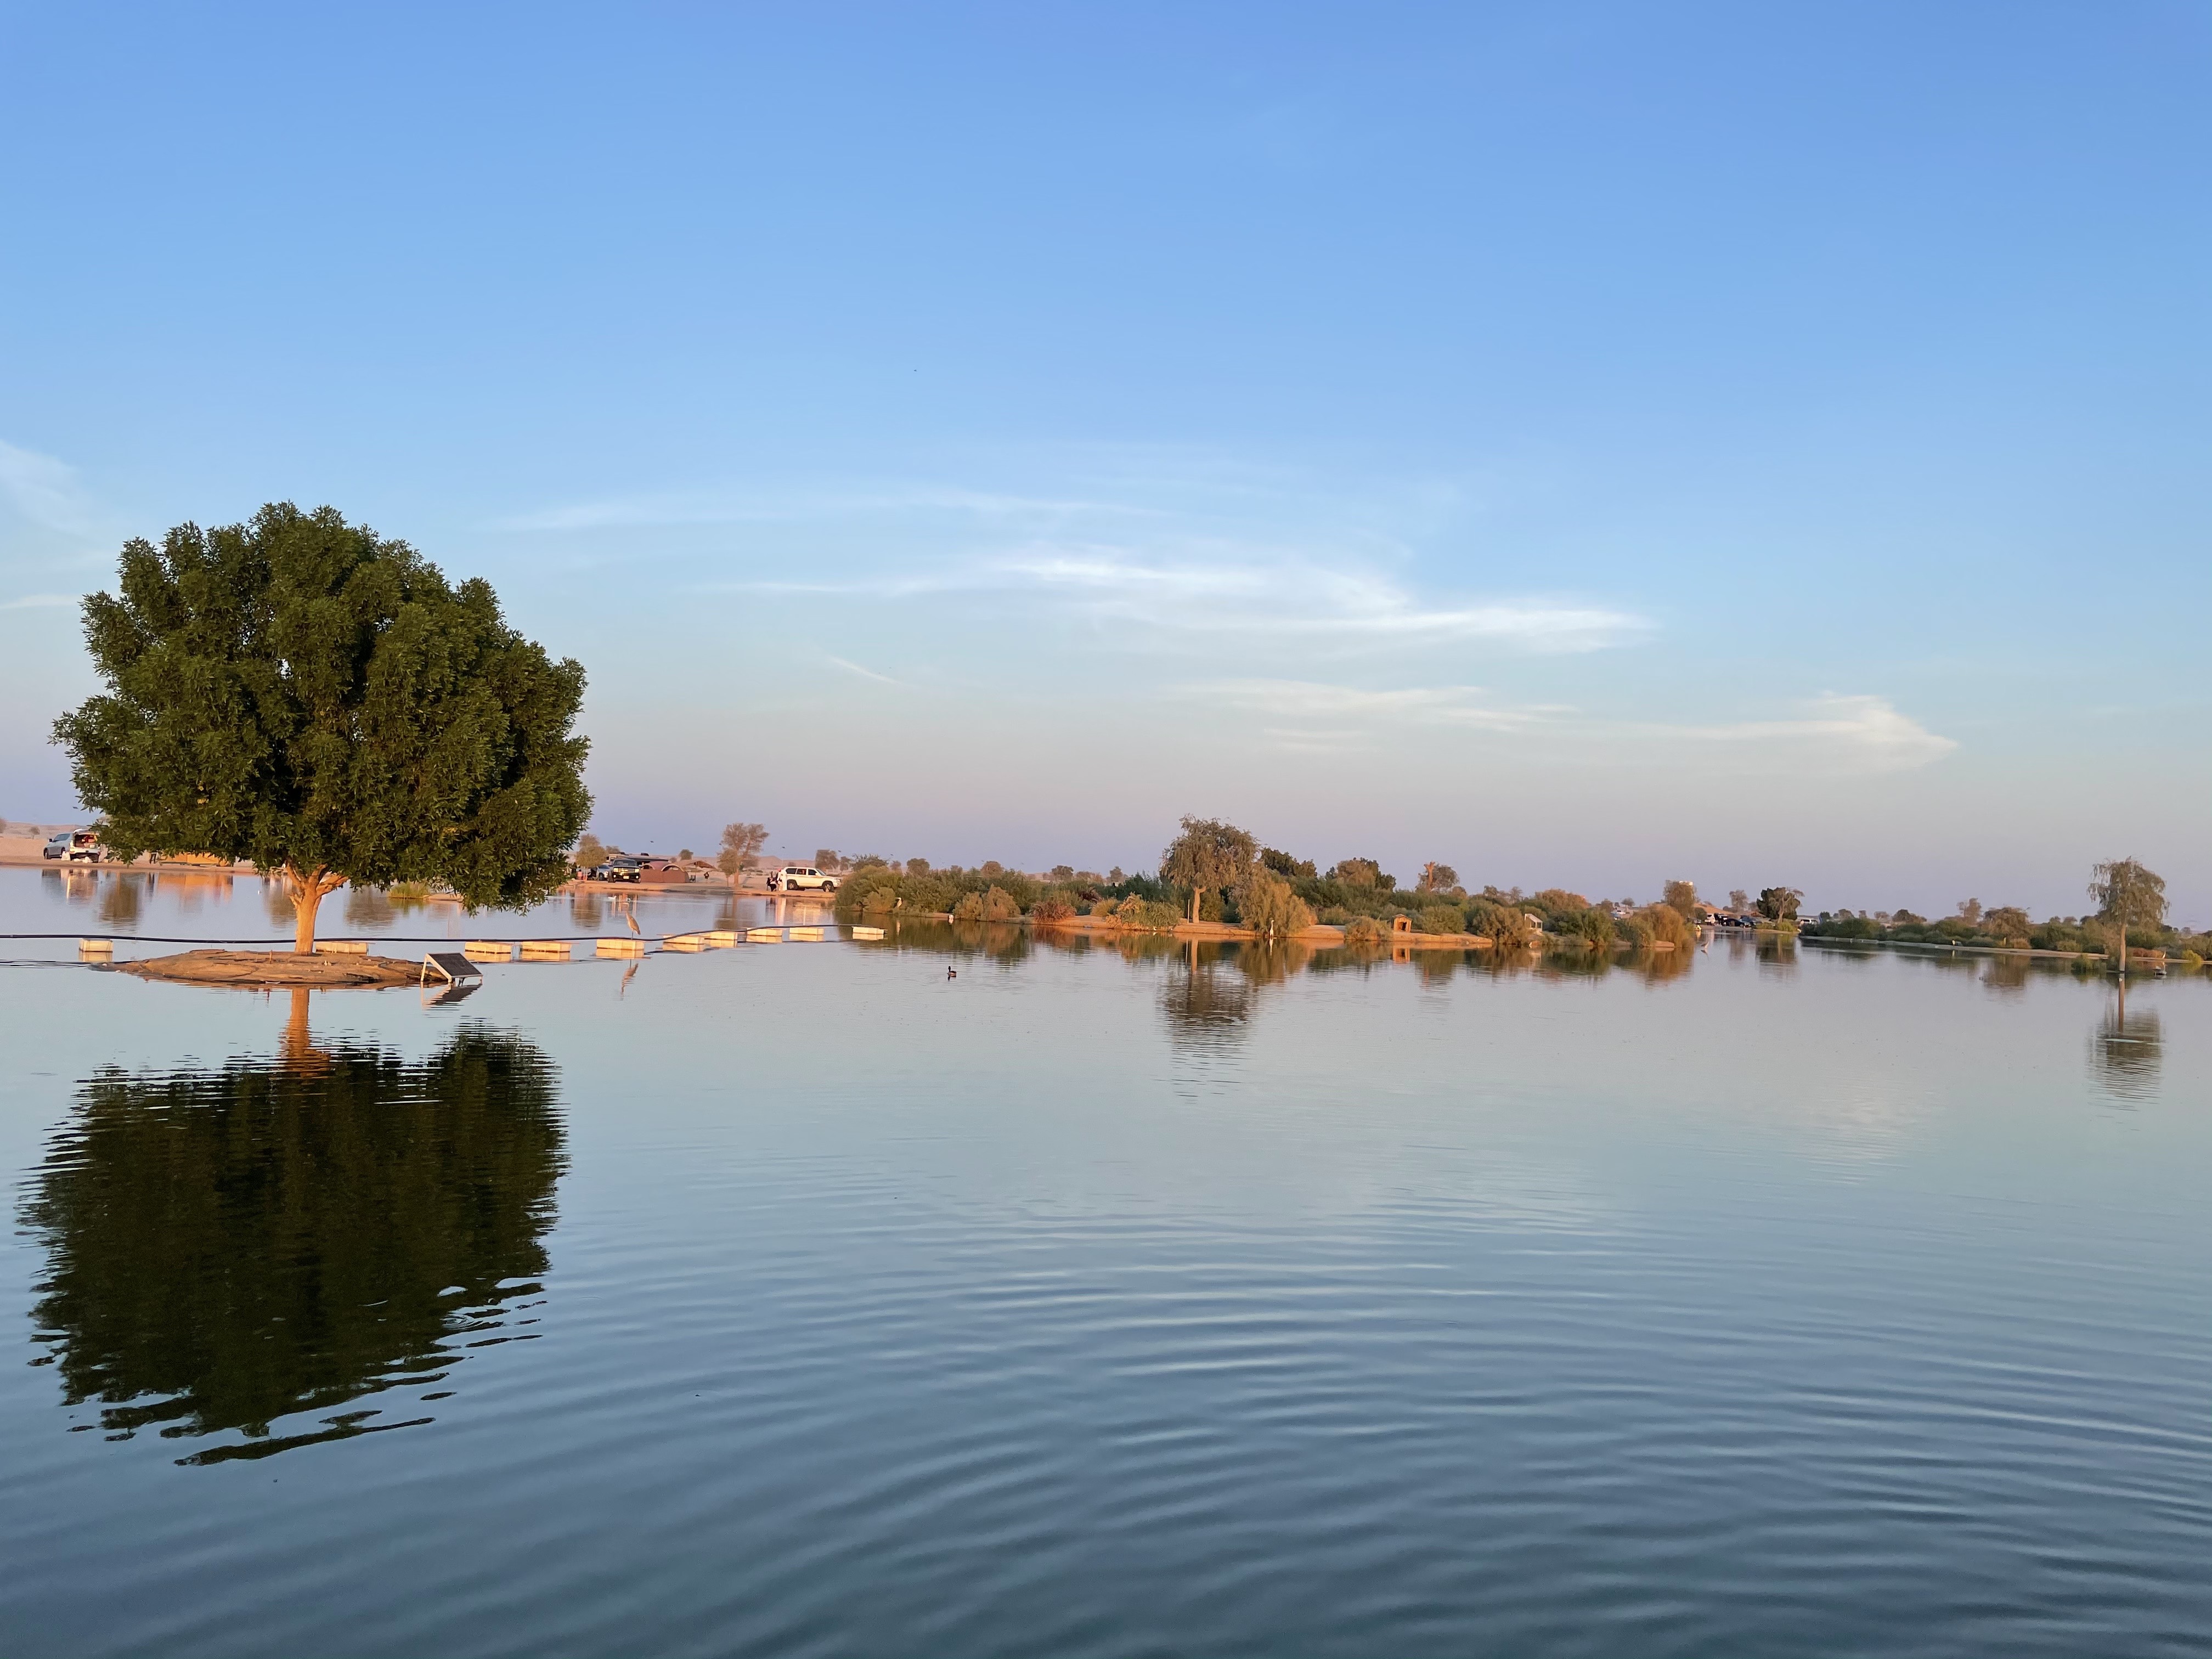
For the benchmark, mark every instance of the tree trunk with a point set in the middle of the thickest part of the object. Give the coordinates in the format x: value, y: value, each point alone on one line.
x: 2124, y: 950
x: 307, y: 889
x: 1196, y: 893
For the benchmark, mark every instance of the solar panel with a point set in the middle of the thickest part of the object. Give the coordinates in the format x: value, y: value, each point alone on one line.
x: 452, y: 964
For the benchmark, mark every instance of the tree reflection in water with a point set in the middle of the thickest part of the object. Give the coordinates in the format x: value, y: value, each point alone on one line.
x: 2126, y: 1049
x: 368, y: 907
x: 122, y: 901
x: 226, y: 1248
x: 1205, y: 1006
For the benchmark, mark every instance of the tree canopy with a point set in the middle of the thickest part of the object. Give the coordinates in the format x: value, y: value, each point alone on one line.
x: 305, y: 694
x: 2129, y: 893
x: 1779, y: 905
x: 1208, y: 856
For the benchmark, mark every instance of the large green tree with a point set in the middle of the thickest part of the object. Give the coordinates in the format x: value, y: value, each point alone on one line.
x: 305, y: 694
x: 2130, y: 897
x: 1209, y: 856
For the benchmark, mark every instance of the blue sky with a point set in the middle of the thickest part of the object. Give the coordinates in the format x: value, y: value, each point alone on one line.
x: 1587, y: 444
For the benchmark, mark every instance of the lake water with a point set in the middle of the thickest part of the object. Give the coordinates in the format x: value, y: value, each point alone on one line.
x: 802, y: 1299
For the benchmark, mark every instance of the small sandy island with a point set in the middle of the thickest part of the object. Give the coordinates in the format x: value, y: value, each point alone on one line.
x: 284, y: 967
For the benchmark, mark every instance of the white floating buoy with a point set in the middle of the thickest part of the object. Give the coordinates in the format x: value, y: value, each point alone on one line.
x: 488, y: 950
x: 805, y: 935
x: 546, y: 950
x: 764, y: 935
x: 342, y: 947
x: 719, y: 939
x: 867, y: 933
x: 95, y: 947
x: 620, y: 946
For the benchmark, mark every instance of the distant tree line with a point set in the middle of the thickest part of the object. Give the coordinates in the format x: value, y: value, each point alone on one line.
x: 2130, y: 905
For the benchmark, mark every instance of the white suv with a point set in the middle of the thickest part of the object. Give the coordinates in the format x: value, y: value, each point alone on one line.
x: 77, y: 847
x: 800, y: 878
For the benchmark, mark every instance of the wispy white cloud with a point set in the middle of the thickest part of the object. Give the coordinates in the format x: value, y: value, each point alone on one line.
x: 1289, y: 598
x: 864, y: 673
x: 39, y: 601
x: 785, y: 507
x: 1862, y: 732
x: 46, y: 491
x: 1465, y: 706
x: 1872, y: 728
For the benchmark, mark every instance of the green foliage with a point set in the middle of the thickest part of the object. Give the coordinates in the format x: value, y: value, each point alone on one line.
x: 1053, y: 908
x: 1437, y: 879
x: 1593, y: 925
x: 1558, y: 906
x: 1363, y: 873
x: 1503, y: 924
x: 1848, y: 928
x: 1682, y: 899
x: 1284, y: 865
x: 1268, y: 905
x: 1663, y: 924
x: 590, y: 853
x: 1208, y: 856
x: 2128, y: 895
x: 1147, y: 915
x: 302, y: 693
x: 1779, y: 905
x: 1365, y: 932
x: 1442, y: 918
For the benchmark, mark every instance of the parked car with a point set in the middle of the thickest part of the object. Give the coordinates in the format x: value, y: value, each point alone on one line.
x: 800, y: 878
x: 79, y: 847
x: 57, y: 846
x: 625, y: 868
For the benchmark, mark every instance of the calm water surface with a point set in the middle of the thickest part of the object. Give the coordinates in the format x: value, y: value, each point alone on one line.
x: 801, y: 1299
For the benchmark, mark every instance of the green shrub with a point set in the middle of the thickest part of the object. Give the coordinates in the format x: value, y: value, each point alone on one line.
x: 1504, y: 925
x: 1050, y: 910
x: 1268, y: 906
x: 1662, y: 923
x: 1442, y: 918
x: 969, y: 908
x: 1594, y: 927
x: 1105, y: 907
x: 1850, y: 928
x: 1365, y: 932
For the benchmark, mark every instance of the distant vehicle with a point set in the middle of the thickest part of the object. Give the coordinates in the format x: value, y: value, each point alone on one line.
x: 625, y: 868
x: 77, y: 846
x: 800, y: 878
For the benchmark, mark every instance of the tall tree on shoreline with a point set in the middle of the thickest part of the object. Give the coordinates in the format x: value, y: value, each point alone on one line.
x: 1209, y: 856
x: 2128, y: 897
x: 302, y: 693
x: 741, y: 845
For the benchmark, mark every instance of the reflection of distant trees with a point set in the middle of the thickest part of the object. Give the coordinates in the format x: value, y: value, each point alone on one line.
x: 227, y: 1249
x: 122, y: 900
x: 1003, y: 942
x: 277, y: 902
x: 1205, y: 1006
x: 2126, y: 1048
x: 368, y: 907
